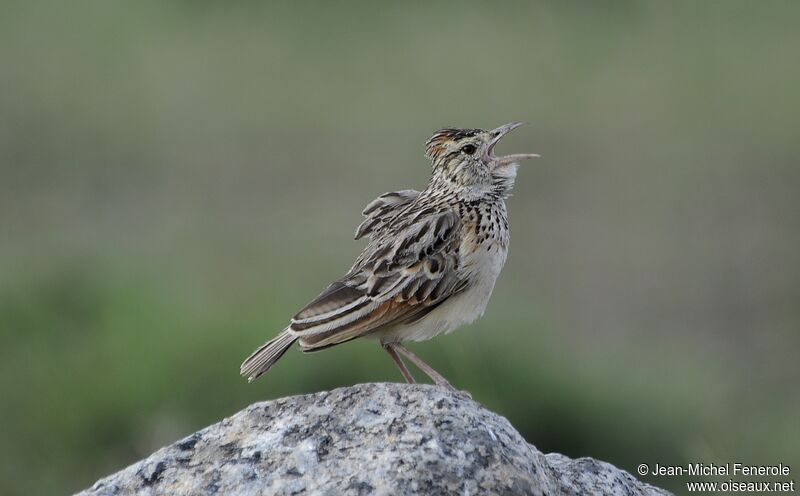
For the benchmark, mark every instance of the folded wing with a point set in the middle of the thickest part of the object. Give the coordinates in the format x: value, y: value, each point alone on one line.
x: 408, y: 268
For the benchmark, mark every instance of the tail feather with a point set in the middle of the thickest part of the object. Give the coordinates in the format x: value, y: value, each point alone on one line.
x: 265, y: 357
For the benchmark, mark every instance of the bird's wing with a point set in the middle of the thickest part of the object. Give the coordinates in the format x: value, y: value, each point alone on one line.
x: 380, y: 211
x: 408, y: 268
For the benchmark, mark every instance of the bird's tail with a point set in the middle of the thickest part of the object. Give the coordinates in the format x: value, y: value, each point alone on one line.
x: 265, y: 357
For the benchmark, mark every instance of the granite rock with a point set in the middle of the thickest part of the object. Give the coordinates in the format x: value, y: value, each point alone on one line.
x: 370, y: 439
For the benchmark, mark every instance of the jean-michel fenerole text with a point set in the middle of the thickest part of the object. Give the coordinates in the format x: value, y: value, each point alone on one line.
x: 729, y: 469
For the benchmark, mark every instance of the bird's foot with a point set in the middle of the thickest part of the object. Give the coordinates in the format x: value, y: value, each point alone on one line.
x: 464, y: 392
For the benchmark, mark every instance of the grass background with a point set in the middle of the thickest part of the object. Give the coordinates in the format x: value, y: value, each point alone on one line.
x: 177, y: 178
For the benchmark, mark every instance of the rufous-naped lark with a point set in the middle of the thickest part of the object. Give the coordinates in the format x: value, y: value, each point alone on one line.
x: 431, y: 261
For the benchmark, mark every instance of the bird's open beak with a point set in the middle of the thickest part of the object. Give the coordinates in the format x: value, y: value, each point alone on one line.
x: 505, y: 159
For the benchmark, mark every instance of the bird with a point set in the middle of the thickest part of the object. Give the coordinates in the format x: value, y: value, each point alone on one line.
x: 430, y: 263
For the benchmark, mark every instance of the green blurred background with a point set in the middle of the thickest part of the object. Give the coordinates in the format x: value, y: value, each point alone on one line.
x: 177, y: 178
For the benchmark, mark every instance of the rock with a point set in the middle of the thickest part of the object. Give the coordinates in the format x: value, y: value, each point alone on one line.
x: 370, y: 439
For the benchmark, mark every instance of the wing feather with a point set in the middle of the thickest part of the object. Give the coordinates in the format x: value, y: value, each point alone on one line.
x: 336, y: 298
x: 409, y: 267
x: 383, y: 209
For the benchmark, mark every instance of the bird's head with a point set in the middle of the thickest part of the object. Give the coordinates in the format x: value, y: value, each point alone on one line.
x: 465, y: 159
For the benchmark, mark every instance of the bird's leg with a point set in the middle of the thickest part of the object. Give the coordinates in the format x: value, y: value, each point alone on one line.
x: 390, y: 349
x: 436, y: 376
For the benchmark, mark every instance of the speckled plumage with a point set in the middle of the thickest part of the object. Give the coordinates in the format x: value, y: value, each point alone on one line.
x: 431, y: 261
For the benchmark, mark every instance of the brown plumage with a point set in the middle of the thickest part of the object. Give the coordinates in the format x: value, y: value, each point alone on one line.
x: 430, y: 263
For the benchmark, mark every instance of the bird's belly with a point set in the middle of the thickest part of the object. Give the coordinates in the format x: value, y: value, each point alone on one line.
x: 461, y: 309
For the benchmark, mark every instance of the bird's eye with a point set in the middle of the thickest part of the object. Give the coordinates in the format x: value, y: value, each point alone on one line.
x: 468, y: 149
